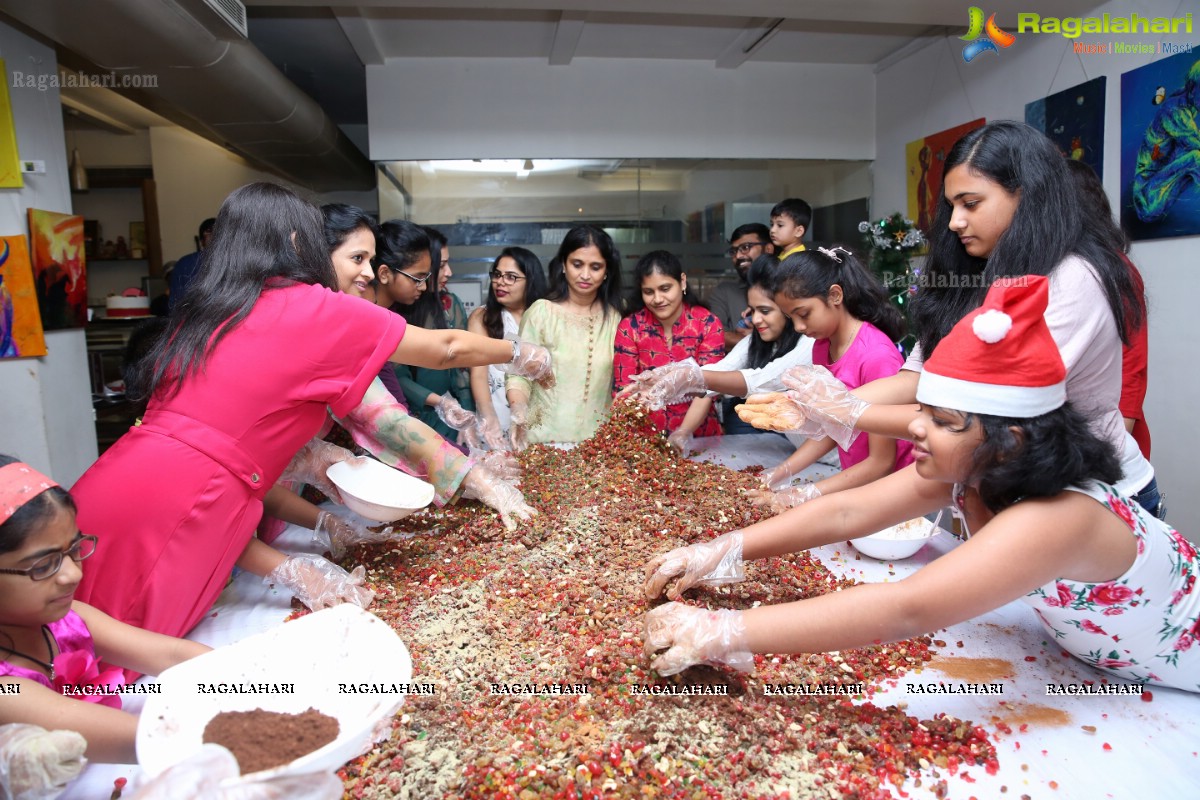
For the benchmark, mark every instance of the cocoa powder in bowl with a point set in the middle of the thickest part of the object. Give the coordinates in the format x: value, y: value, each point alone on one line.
x: 266, y: 739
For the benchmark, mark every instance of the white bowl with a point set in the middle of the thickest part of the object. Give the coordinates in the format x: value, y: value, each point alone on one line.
x: 376, y: 491
x: 340, y: 645
x: 897, y: 542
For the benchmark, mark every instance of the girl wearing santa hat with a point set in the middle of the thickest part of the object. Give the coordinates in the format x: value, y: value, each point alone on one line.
x: 994, y: 438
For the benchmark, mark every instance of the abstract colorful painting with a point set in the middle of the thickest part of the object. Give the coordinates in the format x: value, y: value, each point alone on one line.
x: 10, y: 162
x: 20, y: 322
x: 59, y: 268
x: 1160, y: 149
x: 925, y: 160
x: 1074, y: 120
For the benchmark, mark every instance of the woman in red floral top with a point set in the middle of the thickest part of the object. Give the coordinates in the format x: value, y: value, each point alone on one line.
x: 666, y: 328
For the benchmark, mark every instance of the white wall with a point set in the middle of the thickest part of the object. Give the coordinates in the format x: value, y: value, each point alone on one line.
x: 631, y: 108
x: 45, y: 403
x: 934, y: 89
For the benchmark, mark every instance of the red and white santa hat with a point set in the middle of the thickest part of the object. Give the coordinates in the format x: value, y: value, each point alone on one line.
x: 1000, y: 359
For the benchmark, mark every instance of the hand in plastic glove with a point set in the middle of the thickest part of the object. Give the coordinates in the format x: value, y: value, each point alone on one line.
x: 691, y: 636
x: 519, y: 431
x: 311, y: 464
x: 338, y: 534
x: 531, y: 361
x: 778, y: 475
x: 37, y: 764
x: 319, y: 583
x: 826, y: 401
x: 711, y: 563
x: 200, y: 777
x: 493, y: 436
x: 453, y: 414
x: 502, y: 464
x: 680, y: 441
x: 788, y: 497
x: 776, y: 411
x: 671, y: 383
x: 482, y: 485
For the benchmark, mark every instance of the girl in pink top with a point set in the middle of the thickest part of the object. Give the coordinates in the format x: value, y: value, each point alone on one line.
x: 831, y: 297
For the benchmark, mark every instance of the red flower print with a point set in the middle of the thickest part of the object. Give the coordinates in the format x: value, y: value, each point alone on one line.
x: 1092, y: 627
x: 1184, y: 643
x: 1122, y: 510
x: 1113, y: 611
x: 1187, y: 551
x: 1065, y: 596
x: 1109, y: 594
x: 80, y: 670
x: 1113, y: 663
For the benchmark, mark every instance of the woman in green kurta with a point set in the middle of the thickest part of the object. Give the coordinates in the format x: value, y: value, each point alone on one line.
x: 577, y: 322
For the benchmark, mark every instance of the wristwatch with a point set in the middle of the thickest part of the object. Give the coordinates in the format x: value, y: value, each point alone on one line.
x: 516, y: 352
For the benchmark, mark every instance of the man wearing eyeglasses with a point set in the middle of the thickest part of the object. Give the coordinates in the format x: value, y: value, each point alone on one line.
x: 727, y: 300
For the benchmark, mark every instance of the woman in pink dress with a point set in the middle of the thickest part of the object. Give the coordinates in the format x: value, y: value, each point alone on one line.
x: 259, y: 346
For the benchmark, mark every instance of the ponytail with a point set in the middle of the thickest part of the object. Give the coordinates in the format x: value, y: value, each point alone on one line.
x: 812, y: 273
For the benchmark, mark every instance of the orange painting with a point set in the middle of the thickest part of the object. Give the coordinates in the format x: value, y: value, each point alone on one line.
x: 20, y: 322
x: 925, y: 162
x: 59, y: 268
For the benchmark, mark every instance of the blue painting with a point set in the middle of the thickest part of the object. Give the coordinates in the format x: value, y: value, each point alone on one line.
x: 1074, y: 120
x: 1160, y: 149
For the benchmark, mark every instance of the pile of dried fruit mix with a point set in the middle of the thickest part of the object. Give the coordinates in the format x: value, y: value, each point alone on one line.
x: 555, y: 609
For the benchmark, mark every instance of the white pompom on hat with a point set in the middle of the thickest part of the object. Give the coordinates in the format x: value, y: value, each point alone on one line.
x: 1000, y: 359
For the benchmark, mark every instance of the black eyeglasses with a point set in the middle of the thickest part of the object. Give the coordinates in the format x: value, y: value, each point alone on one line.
x: 744, y: 248
x: 413, y: 278
x: 506, y: 277
x: 48, y: 566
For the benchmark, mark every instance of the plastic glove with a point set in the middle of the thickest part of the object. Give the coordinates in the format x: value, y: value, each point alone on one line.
x: 531, y: 361
x: 778, y: 475
x: 501, y: 463
x: 453, y: 414
x: 519, y: 430
x: 319, y: 583
x: 311, y: 464
x: 482, y: 485
x: 200, y: 777
x: 37, y: 764
x: 671, y: 383
x: 789, y: 497
x: 693, y: 636
x: 776, y: 411
x: 680, y: 441
x: 711, y: 563
x: 826, y: 401
x: 337, y: 534
x: 493, y: 436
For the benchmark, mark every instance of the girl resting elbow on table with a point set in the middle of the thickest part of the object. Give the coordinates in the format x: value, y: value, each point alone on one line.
x: 51, y: 644
x: 995, y: 440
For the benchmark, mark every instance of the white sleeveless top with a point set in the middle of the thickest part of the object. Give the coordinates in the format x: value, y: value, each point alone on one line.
x: 496, y: 377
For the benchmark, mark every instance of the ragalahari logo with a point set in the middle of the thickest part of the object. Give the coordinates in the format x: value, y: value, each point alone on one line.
x: 993, y: 37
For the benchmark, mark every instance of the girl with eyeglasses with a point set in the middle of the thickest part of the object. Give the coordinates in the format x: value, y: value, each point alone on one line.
x: 517, y: 282
x: 51, y: 645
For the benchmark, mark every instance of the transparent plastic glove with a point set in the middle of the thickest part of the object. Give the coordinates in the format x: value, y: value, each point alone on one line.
x: 493, y: 436
x: 483, y: 485
x: 339, y: 534
x: 691, y: 636
x: 711, y: 563
x: 200, y: 777
x: 671, y: 383
x: 788, y: 497
x: 519, y: 431
x: 319, y: 583
x: 501, y: 463
x: 778, y: 475
x: 531, y: 361
x: 37, y: 764
x: 776, y: 411
x: 826, y: 401
x: 453, y: 414
x: 312, y: 462
x: 680, y: 441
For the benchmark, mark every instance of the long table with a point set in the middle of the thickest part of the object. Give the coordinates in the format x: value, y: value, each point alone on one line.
x: 1060, y: 746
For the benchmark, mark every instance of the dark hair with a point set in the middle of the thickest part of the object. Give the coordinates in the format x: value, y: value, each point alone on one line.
x: 657, y: 262
x: 34, y: 515
x: 341, y: 220
x: 207, y: 226
x: 811, y: 273
x: 266, y: 237
x: 535, y: 287
x: 762, y: 274
x: 1053, y: 451
x: 1047, y: 226
x: 576, y: 239
x: 398, y: 246
x: 795, y: 209
x: 752, y: 229
x: 142, y: 339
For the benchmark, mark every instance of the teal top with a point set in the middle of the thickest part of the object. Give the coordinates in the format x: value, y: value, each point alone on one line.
x: 420, y: 382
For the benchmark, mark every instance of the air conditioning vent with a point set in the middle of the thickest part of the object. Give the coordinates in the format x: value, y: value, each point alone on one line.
x: 232, y: 11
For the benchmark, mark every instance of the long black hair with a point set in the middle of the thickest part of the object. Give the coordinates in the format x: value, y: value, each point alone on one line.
x: 588, y: 236
x: 812, y: 273
x: 763, y: 275
x: 1046, y: 227
x: 535, y: 287
x: 34, y: 515
x: 266, y: 236
x: 657, y: 262
x: 341, y: 220
x: 398, y: 245
x: 1052, y: 452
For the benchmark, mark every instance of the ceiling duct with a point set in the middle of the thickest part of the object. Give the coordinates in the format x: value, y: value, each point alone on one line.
x: 189, y: 61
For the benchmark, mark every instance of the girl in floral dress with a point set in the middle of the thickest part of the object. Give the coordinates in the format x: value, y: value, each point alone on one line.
x: 1113, y: 585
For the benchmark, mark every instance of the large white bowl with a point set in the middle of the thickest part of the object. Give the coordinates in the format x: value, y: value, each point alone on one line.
x: 340, y: 645
x: 376, y: 491
x: 898, y: 541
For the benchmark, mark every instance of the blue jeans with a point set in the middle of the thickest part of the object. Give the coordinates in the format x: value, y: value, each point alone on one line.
x: 1151, y: 499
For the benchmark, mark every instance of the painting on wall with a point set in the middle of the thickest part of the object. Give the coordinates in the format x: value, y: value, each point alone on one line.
x: 20, y: 321
x: 924, y: 160
x: 1074, y: 120
x: 1160, y: 181
x: 10, y: 161
x: 59, y: 268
